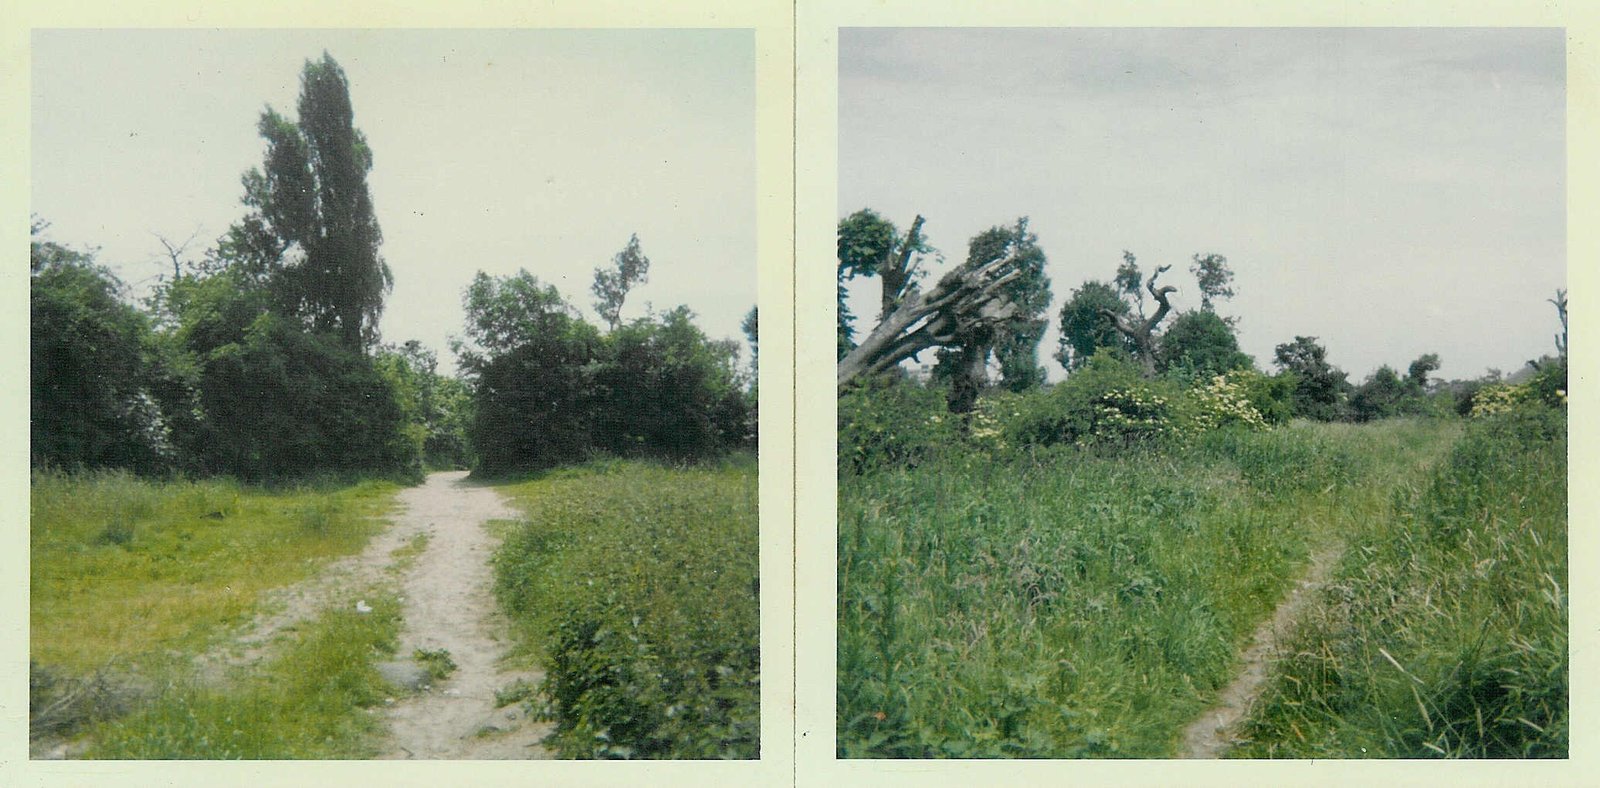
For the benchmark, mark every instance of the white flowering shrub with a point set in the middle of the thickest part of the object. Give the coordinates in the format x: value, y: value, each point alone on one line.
x: 1221, y: 402
x: 1495, y: 399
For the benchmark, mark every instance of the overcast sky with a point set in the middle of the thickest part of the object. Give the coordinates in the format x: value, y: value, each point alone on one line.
x: 1391, y: 191
x: 493, y: 150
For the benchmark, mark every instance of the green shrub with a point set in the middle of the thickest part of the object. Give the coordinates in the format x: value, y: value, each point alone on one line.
x: 888, y: 421
x: 637, y: 587
x: 1222, y: 402
x: 1272, y: 396
x: 1106, y: 402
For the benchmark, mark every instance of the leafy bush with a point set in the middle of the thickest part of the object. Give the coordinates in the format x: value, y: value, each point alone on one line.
x: 1272, y: 396
x: 549, y: 389
x: 888, y: 421
x: 1499, y: 398
x: 1202, y: 345
x: 1106, y: 402
x: 1223, y: 403
x: 664, y: 389
x: 637, y: 586
x: 284, y: 403
x: 93, y: 366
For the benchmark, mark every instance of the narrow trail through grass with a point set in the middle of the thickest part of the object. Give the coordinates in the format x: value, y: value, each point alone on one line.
x: 1212, y: 734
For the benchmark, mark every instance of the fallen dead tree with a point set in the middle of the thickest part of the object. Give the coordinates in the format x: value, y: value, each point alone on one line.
x: 968, y: 301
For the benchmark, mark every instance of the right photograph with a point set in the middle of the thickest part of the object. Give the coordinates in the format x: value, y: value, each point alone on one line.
x: 1202, y: 393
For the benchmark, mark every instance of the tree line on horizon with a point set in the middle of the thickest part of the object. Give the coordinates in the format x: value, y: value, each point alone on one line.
x: 1127, y: 317
x: 262, y: 360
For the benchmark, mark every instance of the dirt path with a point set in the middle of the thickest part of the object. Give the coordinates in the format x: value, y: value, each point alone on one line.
x: 448, y: 605
x: 1212, y: 733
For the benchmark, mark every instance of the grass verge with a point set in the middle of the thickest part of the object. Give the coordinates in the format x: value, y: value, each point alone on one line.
x: 314, y: 700
x: 635, y: 585
x: 130, y: 576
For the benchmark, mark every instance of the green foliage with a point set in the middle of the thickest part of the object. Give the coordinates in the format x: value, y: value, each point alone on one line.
x: 865, y: 241
x: 629, y: 268
x: 636, y: 585
x: 1200, y: 345
x: 1445, y: 634
x: 1223, y: 402
x: 1214, y: 278
x: 1272, y: 396
x: 888, y: 421
x: 1382, y: 396
x: 1549, y: 383
x: 1059, y: 603
x: 312, y: 236
x: 548, y: 389
x: 1013, y: 344
x: 436, y: 409
x: 664, y: 389
x: 1417, y: 373
x: 530, y: 368
x: 105, y: 391
x: 1320, y: 388
x: 1084, y: 326
x: 282, y: 403
x: 1106, y: 402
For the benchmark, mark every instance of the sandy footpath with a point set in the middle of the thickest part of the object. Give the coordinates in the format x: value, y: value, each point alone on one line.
x: 448, y: 604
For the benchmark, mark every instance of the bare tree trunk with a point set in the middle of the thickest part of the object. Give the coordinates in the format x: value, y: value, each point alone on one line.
x: 1141, y: 331
x: 1561, y: 308
x: 897, y: 269
x: 966, y: 300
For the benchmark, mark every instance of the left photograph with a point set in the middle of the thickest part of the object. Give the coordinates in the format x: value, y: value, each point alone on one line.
x: 393, y: 395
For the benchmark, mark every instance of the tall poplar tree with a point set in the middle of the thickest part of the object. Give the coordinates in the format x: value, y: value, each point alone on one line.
x: 312, y: 236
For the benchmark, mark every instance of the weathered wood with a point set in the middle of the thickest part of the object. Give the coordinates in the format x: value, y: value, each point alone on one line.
x: 1141, y: 331
x: 965, y: 300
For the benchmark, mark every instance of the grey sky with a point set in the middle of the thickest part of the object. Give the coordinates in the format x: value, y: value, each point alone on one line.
x: 493, y: 150
x: 1390, y: 191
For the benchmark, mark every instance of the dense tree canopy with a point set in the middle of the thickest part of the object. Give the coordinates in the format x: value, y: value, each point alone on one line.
x: 1319, y: 386
x: 1085, y: 326
x: 549, y: 388
x: 1202, y: 344
x: 91, y: 367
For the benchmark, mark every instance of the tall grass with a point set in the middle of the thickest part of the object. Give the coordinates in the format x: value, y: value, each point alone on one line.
x: 1445, y: 634
x: 635, y: 586
x: 1067, y: 602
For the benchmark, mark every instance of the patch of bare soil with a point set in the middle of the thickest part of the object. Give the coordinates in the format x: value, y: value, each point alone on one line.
x: 449, y: 605
x: 1212, y: 734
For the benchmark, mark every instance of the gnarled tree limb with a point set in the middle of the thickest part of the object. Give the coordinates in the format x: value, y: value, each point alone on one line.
x: 1141, y: 332
x: 965, y: 300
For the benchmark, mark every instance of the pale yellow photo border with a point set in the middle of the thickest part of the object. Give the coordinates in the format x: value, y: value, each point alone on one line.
x: 817, y: 24
x: 771, y: 21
